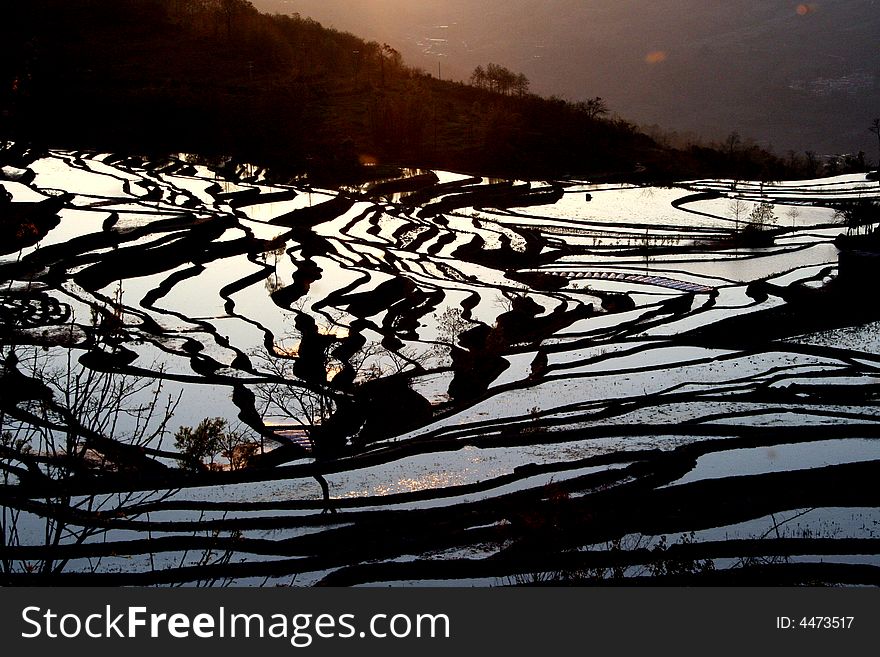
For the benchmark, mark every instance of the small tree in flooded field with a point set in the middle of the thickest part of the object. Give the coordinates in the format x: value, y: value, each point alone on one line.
x: 200, y: 443
x: 762, y: 216
x: 738, y: 209
x: 450, y: 325
x: 210, y: 439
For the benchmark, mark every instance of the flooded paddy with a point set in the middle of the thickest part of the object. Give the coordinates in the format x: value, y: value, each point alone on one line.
x: 456, y: 380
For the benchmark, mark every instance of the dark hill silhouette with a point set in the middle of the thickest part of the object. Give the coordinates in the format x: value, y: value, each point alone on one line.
x: 218, y: 78
x: 801, y: 76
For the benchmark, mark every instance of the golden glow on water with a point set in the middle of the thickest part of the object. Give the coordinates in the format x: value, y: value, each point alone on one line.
x: 804, y: 9
x: 474, y: 467
x: 433, y: 480
x: 428, y: 481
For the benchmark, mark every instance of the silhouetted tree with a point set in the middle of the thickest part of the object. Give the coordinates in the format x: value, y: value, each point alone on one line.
x: 500, y: 79
x: 858, y: 214
x: 737, y: 208
x: 762, y: 216
x: 875, y: 128
x: 478, y: 78
x: 593, y: 108
x: 201, y: 443
x: 732, y: 143
x: 521, y: 85
x: 392, y: 57
x: 812, y: 162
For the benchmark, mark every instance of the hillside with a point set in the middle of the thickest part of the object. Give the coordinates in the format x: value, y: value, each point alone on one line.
x: 217, y: 77
x: 799, y: 76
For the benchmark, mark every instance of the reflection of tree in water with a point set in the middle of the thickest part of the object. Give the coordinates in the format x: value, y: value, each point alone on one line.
x: 273, y: 282
x: 451, y: 324
x: 323, y: 379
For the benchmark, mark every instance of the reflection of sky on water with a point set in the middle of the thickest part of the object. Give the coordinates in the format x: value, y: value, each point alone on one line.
x: 782, y: 458
x: 600, y: 373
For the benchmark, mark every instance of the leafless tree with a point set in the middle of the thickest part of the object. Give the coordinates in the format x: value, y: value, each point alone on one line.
x: 738, y: 209
x: 68, y: 423
x: 594, y: 107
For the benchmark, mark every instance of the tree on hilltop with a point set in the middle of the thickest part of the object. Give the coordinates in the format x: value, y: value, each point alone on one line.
x: 593, y: 108
x: 875, y: 128
x: 499, y: 79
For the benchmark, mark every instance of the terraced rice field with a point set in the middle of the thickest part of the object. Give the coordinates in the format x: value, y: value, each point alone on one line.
x: 437, y: 379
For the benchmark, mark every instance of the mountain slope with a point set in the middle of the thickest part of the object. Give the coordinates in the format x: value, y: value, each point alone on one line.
x: 798, y: 76
x: 218, y: 78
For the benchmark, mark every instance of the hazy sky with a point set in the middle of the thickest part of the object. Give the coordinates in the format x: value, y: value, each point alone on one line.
x: 791, y: 75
